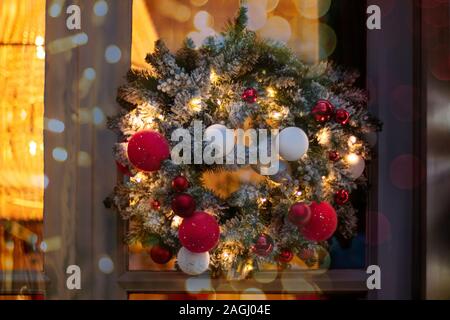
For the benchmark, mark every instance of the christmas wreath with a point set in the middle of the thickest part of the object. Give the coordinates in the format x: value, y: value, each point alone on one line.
x: 239, y: 81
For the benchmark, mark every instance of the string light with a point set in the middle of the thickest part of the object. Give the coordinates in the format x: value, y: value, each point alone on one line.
x: 352, y: 158
x: 324, y: 136
x: 176, y: 221
x: 352, y: 140
x: 276, y: 115
x: 196, y: 104
x: 271, y: 93
x: 213, y: 76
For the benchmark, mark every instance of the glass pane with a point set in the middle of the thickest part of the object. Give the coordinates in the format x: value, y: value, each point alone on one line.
x: 314, y: 32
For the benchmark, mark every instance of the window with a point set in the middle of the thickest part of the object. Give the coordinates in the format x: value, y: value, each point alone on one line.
x: 22, y: 179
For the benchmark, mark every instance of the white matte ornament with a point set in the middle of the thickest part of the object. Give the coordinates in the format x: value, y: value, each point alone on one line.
x: 292, y: 143
x: 192, y: 263
x: 356, y: 165
x: 223, y: 139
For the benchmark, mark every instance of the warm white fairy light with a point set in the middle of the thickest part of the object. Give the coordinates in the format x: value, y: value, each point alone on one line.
x: 213, y: 76
x: 324, y: 136
x: 196, y: 104
x: 176, y: 221
x: 352, y: 140
x: 276, y: 115
x: 352, y: 158
x: 271, y: 92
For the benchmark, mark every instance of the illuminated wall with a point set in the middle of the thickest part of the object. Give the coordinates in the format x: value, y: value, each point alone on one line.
x: 22, y: 67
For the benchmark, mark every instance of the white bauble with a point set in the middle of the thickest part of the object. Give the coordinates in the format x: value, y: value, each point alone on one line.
x: 293, y: 143
x: 356, y: 165
x: 192, y: 263
x: 223, y: 139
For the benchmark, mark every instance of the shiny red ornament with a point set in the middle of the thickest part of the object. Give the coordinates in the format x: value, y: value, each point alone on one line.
x: 160, y: 254
x: 334, y: 156
x: 285, y: 256
x: 156, y: 205
x: 342, y: 116
x: 341, y: 197
x: 183, y: 205
x: 147, y: 149
x: 323, y: 111
x: 250, y: 95
x: 299, y: 214
x: 180, y: 184
x: 123, y: 169
x: 322, y: 223
x: 199, y: 233
x: 263, y: 245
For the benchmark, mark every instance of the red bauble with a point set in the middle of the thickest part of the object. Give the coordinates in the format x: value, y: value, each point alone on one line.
x: 160, y: 254
x: 322, y: 224
x: 341, y: 197
x: 156, y: 205
x: 323, y: 111
x: 263, y: 245
x: 342, y: 116
x: 180, y: 184
x: 147, y: 149
x: 333, y: 156
x: 250, y: 95
x: 299, y: 214
x: 199, y: 233
x: 183, y: 205
x: 285, y: 256
x: 123, y: 169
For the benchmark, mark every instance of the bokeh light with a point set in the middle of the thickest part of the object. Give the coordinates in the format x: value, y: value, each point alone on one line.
x: 312, y: 9
x: 406, y: 172
x: 80, y: 39
x: 199, y: 284
x: 84, y: 159
x: 253, y: 294
x: 297, y: 284
x: 55, y: 9
x: 277, y: 28
x: 257, y: 15
x: 60, y: 154
x: 202, y: 20
x: 101, y: 8
x: 113, y: 54
x: 98, y: 116
x: 106, y: 265
x: 328, y: 41
x: 89, y: 74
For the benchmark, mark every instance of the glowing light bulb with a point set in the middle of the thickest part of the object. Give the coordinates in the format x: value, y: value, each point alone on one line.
x: 213, y: 76
x: 277, y: 115
x: 324, y: 136
x: 352, y: 158
x: 39, y: 41
x: 32, y: 147
x: 196, y: 104
x: 271, y: 92
x: 352, y: 140
x: 176, y: 221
